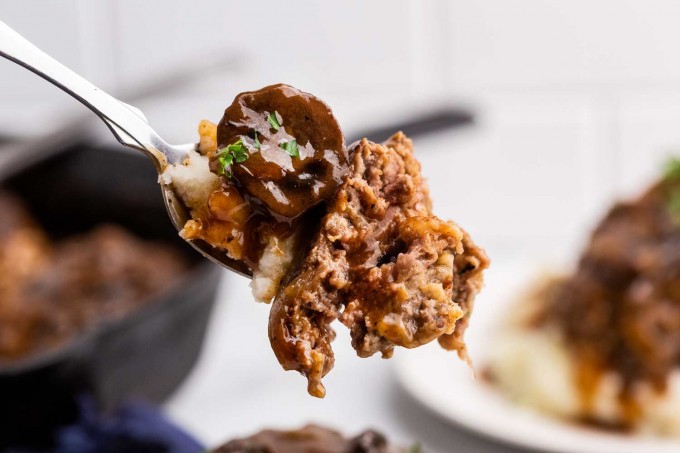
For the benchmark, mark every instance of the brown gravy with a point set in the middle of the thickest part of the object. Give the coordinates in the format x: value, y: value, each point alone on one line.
x: 271, y: 192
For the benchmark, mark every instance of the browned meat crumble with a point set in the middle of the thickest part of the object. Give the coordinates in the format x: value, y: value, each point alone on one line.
x: 392, y: 272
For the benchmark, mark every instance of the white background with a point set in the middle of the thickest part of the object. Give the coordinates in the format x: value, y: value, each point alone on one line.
x: 577, y: 102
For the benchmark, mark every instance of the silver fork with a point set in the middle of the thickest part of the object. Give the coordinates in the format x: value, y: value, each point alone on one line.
x: 127, y: 123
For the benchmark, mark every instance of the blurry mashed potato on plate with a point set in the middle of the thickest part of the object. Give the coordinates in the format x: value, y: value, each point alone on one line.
x: 533, y: 366
x: 602, y: 345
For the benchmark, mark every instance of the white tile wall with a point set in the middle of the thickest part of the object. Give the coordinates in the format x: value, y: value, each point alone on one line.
x: 649, y: 131
x: 577, y: 101
x: 364, y: 49
x: 27, y: 101
x: 524, y: 173
x: 583, y: 96
x: 557, y: 43
x: 53, y: 26
x: 337, y: 44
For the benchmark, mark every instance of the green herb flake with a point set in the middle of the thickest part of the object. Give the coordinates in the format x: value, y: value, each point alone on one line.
x: 224, y: 164
x: 257, y: 143
x: 672, y: 169
x: 415, y: 448
x: 291, y: 148
x: 673, y: 205
x: 273, y: 120
x: 236, y: 152
x: 237, y: 147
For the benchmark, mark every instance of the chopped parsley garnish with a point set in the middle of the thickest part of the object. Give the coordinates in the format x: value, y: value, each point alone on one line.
x: 672, y: 169
x: 273, y: 120
x: 673, y: 205
x: 236, y: 152
x: 672, y: 180
x: 415, y: 448
x: 291, y: 148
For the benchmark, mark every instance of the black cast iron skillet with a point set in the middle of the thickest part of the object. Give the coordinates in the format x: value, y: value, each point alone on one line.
x: 143, y: 356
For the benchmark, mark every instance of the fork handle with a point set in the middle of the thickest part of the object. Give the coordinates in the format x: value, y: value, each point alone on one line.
x: 127, y: 123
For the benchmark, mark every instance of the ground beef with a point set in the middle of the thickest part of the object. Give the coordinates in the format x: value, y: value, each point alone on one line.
x: 309, y: 439
x: 380, y: 262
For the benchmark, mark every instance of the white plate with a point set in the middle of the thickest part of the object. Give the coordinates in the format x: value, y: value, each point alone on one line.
x: 447, y: 386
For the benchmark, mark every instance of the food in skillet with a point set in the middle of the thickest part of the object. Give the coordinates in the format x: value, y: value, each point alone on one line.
x: 330, y: 233
x: 311, y: 439
x: 50, y: 292
x: 602, y: 345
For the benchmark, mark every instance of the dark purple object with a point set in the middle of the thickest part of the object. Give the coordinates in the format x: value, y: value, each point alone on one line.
x: 134, y: 428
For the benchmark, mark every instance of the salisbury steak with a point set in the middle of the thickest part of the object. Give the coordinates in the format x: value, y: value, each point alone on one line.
x: 392, y: 272
x: 327, y: 232
x: 626, y: 292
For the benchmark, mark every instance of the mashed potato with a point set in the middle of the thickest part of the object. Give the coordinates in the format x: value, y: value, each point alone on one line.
x: 275, y: 260
x: 193, y: 182
x: 533, y: 367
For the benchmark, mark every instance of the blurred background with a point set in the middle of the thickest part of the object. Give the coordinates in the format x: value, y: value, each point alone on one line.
x: 573, y: 104
x: 573, y: 100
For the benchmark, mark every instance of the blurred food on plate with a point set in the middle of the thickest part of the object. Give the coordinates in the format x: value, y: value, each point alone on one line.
x: 312, y: 439
x: 601, y: 345
x: 52, y: 291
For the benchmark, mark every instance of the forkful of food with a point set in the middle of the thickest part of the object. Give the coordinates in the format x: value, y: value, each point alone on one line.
x: 326, y: 231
